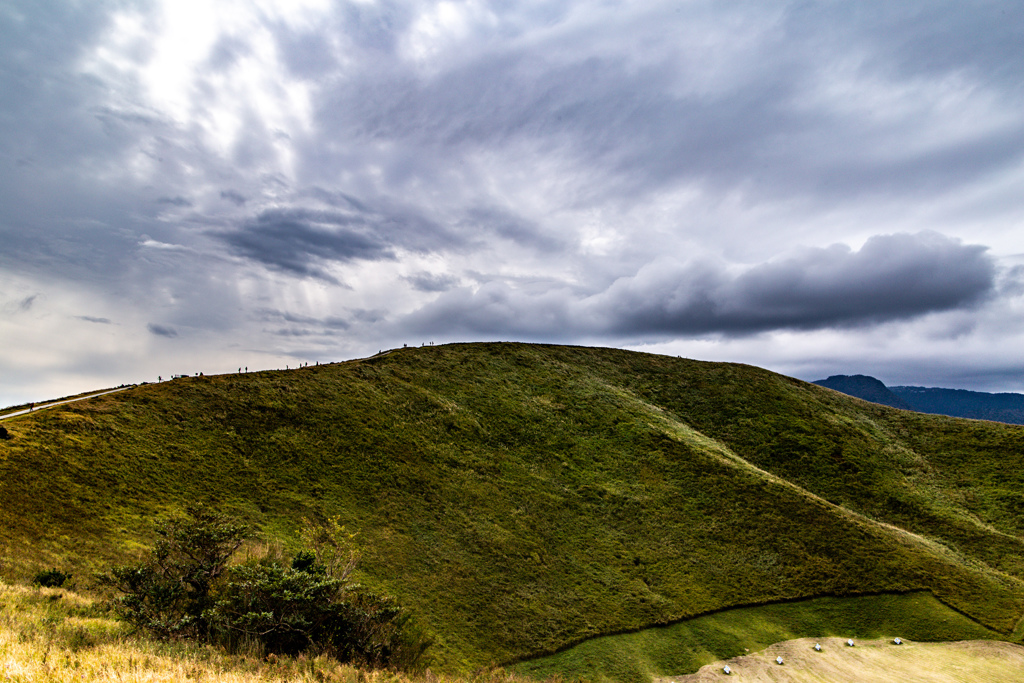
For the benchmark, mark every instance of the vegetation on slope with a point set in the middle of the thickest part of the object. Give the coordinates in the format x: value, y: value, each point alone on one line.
x: 522, y: 498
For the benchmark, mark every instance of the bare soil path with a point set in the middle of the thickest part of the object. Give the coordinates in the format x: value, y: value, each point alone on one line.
x: 41, y: 406
x: 970, y: 661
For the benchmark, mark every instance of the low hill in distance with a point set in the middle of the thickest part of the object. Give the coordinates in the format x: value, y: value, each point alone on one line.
x: 978, y: 405
x: 524, y: 499
x: 865, y: 387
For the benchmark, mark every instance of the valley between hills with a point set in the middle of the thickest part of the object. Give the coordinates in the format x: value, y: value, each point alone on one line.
x: 556, y: 510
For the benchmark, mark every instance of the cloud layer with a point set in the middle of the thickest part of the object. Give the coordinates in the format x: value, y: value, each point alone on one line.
x: 257, y: 182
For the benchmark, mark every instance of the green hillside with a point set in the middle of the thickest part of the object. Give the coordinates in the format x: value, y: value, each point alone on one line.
x: 524, y: 498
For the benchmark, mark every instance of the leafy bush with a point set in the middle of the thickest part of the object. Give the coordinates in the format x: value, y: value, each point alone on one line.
x: 51, y: 578
x: 186, y: 590
x: 288, y: 610
x: 285, y: 610
x: 170, y: 595
x: 376, y: 631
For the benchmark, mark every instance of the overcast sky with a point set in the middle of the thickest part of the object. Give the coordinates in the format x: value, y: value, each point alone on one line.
x: 813, y: 187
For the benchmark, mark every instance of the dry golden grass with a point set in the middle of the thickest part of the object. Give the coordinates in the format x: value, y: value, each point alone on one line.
x: 49, y: 634
x: 878, y: 661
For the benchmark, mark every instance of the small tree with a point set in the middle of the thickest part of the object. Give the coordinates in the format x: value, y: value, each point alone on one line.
x: 286, y: 610
x: 332, y: 546
x: 170, y: 595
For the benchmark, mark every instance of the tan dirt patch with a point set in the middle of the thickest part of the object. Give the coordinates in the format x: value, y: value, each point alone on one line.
x: 971, y: 661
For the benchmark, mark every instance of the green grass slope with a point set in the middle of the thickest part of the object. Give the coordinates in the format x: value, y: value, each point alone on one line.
x: 686, y: 646
x: 524, y: 498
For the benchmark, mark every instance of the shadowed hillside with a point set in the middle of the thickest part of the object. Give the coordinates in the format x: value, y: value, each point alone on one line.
x: 523, y: 498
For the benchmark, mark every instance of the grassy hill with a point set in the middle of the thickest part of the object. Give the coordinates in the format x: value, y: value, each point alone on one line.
x: 524, y: 498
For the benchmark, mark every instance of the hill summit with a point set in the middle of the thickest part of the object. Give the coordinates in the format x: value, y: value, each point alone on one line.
x: 865, y: 387
x: 521, y: 499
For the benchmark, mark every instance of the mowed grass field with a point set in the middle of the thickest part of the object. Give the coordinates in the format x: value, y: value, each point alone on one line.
x: 524, y: 499
x: 687, y: 646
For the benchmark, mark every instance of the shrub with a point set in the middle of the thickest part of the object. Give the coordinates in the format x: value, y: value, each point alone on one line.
x: 375, y: 631
x: 186, y: 590
x: 288, y: 610
x: 51, y: 578
x: 285, y: 610
x: 171, y: 594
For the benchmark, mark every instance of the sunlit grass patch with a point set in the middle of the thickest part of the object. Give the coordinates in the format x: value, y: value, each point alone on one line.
x: 48, y: 635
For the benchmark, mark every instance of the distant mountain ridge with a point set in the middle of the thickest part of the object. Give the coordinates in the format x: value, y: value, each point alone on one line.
x: 865, y: 387
x: 1006, y: 407
x: 978, y: 405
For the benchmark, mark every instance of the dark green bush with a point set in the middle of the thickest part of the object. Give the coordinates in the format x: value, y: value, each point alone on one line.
x: 51, y: 578
x: 288, y: 610
x: 305, y: 561
x: 186, y: 590
x: 375, y: 631
x: 285, y: 610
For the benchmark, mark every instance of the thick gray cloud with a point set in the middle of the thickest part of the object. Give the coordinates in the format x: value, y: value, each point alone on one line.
x: 297, y: 240
x: 892, y: 277
x: 162, y: 330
